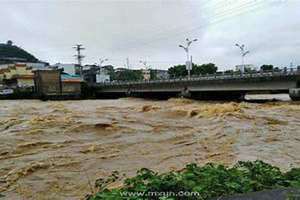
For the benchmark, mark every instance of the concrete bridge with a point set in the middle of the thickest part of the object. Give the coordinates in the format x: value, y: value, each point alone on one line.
x: 219, y: 86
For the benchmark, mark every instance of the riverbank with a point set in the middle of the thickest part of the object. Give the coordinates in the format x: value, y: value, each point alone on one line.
x: 207, y: 182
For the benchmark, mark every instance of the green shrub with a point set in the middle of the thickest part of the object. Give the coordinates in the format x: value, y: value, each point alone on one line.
x: 208, y: 181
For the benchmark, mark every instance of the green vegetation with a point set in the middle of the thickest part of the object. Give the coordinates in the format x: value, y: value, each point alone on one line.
x: 110, y: 71
x: 177, y: 71
x: 180, y: 70
x: 11, y: 51
x: 153, y: 74
x: 267, y: 67
x: 129, y: 75
x: 209, y: 68
x: 207, y: 182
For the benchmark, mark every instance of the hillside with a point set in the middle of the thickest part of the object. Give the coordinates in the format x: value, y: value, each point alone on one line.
x: 10, y: 53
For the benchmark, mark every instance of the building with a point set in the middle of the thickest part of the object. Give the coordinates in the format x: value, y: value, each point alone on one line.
x: 71, y: 85
x: 89, y: 73
x: 3, y: 71
x: 102, y: 78
x: 17, y: 76
x: 120, y: 69
x: 55, y: 84
x: 47, y: 82
x: 245, y: 68
x: 103, y: 75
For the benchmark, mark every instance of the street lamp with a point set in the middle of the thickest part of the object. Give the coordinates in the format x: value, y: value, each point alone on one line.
x: 144, y: 63
x: 243, y: 54
x: 186, y: 49
x: 147, y: 71
x: 102, y: 61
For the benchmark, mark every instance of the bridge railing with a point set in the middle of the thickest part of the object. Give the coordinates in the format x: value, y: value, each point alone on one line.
x: 216, y: 76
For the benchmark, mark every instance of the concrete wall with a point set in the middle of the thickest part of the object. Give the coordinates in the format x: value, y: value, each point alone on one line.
x: 47, y: 82
x: 71, y: 88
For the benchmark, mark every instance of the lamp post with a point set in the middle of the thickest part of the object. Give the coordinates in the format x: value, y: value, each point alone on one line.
x: 147, y: 71
x: 243, y: 54
x: 99, y: 71
x: 186, y: 49
x: 144, y: 63
x: 102, y: 61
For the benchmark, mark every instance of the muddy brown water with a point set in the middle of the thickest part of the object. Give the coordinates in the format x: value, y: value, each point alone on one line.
x: 57, y: 149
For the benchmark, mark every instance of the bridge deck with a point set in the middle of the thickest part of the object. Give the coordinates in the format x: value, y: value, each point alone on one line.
x: 274, y: 82
x: 223, y: 76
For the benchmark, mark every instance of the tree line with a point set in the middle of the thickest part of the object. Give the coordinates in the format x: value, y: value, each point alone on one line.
x: 176, y: 71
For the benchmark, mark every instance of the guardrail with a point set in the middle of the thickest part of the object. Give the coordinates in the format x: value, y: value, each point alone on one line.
x: 216, y: 76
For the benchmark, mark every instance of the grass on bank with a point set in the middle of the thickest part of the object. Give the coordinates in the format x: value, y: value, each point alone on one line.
x: 208, y: 182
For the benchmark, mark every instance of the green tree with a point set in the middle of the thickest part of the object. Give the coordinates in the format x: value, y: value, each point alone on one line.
x: 129, y: 75
x: 230, y: 71
x: 203, y: 69
x: 267, y: 67
x: 180, y: 70
x: 153, y: 74
x: 110, y: 71
x: 177, y: 71
x: 11, y: 51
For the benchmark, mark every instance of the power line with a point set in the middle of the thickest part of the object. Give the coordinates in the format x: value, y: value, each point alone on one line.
x: 218, y: 18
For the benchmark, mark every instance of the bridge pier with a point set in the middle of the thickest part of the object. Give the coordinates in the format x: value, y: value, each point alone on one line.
x: 294, y: 94
x: 185, y: 93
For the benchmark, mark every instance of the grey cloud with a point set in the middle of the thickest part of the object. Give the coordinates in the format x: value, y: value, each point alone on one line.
x: 151, y: 30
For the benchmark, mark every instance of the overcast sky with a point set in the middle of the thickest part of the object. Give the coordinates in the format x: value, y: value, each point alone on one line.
x: 151, y: 30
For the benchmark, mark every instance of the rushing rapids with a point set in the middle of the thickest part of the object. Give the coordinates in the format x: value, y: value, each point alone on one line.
x: 57, y: 149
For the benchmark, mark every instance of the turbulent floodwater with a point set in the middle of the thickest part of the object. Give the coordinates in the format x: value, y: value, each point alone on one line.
x: 57, y: 149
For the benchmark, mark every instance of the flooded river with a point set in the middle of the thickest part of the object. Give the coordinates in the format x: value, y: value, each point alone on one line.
x: 57, y: 149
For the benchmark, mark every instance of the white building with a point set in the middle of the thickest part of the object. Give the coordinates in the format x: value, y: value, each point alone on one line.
x: 101, y: 78
x: 102, y: 75
x: 245, y: 68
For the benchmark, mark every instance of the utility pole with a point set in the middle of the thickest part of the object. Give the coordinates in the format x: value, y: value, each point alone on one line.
x: 243, y: 54
x: 127, y: 63
x: 186, y: 49
x: 79, y: 57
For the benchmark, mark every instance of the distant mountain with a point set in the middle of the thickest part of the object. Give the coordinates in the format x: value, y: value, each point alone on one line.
x: 10, y: 53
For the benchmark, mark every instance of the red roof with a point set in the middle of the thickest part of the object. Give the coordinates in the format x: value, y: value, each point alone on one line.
x: 23, y: 76
x: 71, y: 81
x: 20, y: 65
